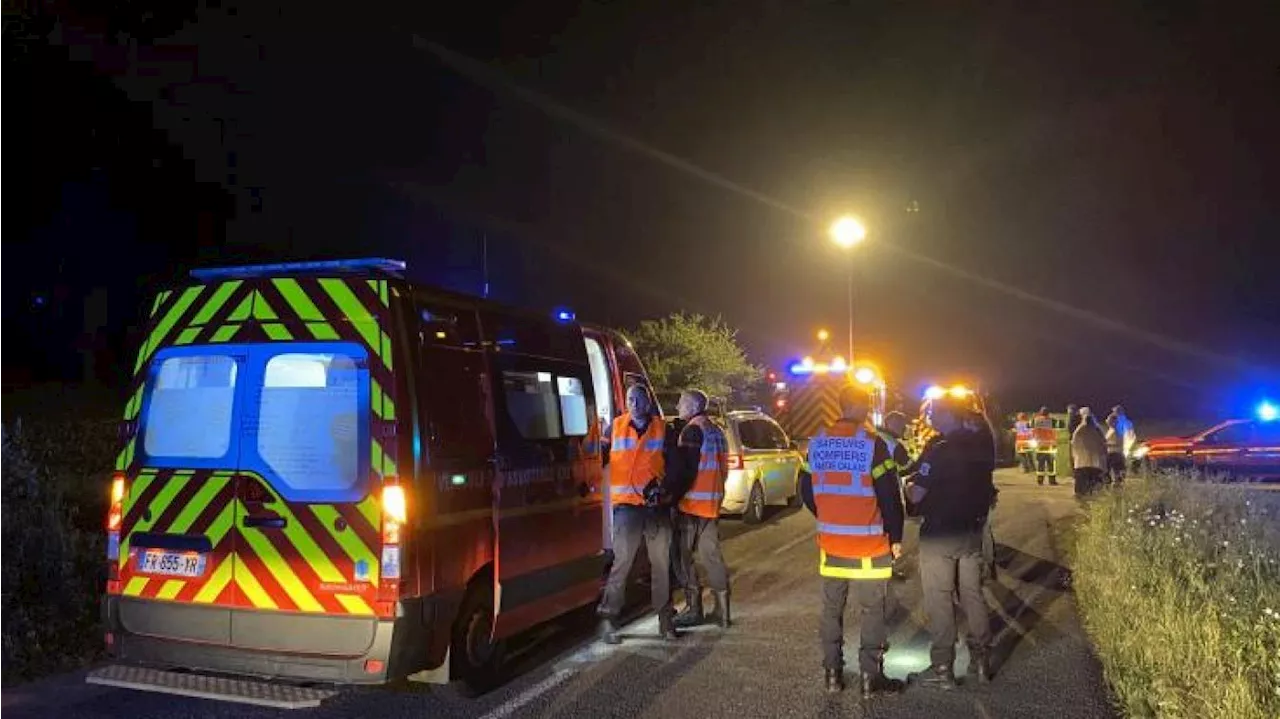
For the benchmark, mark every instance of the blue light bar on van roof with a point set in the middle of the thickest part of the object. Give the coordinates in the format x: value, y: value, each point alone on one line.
x: 367, y: 264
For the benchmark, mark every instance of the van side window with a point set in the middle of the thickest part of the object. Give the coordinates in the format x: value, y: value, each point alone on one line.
x: 532, y: 404
x: 601, y: 380
x: 445, y: 326
x: 628, y: 362
x: 532, y: 337
x: 451, y: 388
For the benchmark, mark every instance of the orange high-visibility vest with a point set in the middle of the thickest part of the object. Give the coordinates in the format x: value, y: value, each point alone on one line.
x: 851, y: 534
x: 634, y: 459
x: 1022, y: 435
x: 1045, y: 435
x: 704, y: 497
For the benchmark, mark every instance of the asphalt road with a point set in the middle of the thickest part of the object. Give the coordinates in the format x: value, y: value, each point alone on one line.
x: 766, y: 665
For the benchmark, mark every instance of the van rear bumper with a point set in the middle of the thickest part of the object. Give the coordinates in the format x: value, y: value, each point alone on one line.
x: 393, y: 647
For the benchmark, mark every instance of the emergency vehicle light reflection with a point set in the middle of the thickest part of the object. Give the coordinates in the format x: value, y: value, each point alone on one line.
x: 1268, y: 412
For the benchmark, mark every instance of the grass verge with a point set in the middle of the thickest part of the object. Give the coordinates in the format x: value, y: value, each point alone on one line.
x: 1178, y: 584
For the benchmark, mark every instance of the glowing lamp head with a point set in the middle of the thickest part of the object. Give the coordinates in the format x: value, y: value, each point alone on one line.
x: 959, y: 391
x: 564, y: 316
x: 865, y: 375
x: 935, y: 392
x: 823, y: 335
x: 1268, y: 412
x: 839, y: 365
x: 847, y: 232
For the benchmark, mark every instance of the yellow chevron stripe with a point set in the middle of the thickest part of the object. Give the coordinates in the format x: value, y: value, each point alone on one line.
x: 277, y: 332
x: 188, y: 336
x: 307, y: 548
x: 135, y: 586
x: 198, y: 503
x: 216, y: 582
x: 371, y: 510
x: 215, y: 303
x: 253, y: 591
x: 350, y: 542
x: 225, y: 333
x: 280, y: 570
x: 165, y: 325
x: 262, y: 309
x: 354, y: 604
x: 171, y: 589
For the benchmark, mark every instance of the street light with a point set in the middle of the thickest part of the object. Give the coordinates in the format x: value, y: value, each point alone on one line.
x: 823, y: 335
x: 847, y: 232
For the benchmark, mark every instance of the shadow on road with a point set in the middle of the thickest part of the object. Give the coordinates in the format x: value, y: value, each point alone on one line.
x: 731, y: 527
x: 1020, y: 614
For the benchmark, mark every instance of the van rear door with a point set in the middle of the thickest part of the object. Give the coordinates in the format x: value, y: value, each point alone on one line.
x: 318, y: 445
x: 177, y: 536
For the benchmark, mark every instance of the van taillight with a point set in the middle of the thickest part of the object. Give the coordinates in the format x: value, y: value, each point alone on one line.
x: 394, y: 514
x: 735, y: 461
x: 115, y: 514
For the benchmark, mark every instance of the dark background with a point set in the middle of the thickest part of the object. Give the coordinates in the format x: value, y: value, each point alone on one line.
x: 1097, y: 183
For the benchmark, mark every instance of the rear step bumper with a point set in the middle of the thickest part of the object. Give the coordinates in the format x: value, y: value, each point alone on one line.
x: 390, y: 648
x: 203, y: 686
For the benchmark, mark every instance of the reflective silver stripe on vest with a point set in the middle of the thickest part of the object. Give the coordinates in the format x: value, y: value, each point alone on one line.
x: 843, y: 490
x: 852, y: 530
x: 705, y: 496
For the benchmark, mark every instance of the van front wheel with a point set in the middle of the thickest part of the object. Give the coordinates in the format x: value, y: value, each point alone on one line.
x: 477, y: 658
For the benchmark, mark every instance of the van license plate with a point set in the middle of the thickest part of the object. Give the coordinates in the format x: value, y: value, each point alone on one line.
x: 171, y: 564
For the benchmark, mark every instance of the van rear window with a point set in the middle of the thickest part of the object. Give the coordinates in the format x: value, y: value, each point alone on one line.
x: 308, y: 421
x: 189, y: 413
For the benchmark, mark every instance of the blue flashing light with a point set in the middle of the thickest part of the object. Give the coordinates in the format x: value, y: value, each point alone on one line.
x: 565, y: 316
x: 801, y: 368
x: 366, y: 265
x: 1268, y: 412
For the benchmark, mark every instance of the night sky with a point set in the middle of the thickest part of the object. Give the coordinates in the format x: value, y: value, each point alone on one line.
x: 1097, y: 183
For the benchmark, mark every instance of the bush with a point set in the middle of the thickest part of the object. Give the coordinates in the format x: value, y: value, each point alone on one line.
x: 54, y: 501
x: 1179, y: 587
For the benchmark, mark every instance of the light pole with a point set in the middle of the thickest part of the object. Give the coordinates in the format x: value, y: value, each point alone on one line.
x: 848, y: 232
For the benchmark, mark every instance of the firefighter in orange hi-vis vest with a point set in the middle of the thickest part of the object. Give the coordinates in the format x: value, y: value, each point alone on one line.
x: 853, y: 491
x: 697, y: 469
x: 641, y: 511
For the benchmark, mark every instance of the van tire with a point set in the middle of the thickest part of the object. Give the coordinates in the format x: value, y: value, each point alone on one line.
x: 754, y: 512
x: 476, y: 661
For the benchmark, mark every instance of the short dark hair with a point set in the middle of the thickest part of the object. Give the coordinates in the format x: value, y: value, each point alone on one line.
x: 850, y: 395
x: 700, y: 396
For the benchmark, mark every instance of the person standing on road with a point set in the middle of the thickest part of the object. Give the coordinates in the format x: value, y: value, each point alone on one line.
x: 1116, y: 464
x: 696, y: 475
x: 1125, y: 428
x: 1088, y: 455
x: 1046, y: 441
x: 955, y: 493
x: 1073, y: 419
x: 1022, y: 434
x: 641, y: 511
x: 853, y: 491
x: 895, y: 426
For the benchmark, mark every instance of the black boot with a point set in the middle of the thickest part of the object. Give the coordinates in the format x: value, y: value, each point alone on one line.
x: 609, y: 631
x: 667, y: 626
x: 834, y: 680
x: 938, y: 676
x: 720, y: 615
x: 878, y: 683
x: 691, y: 616
x: 979, y: 666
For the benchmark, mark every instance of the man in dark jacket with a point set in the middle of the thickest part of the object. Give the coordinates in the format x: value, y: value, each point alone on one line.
x: 954, y: 491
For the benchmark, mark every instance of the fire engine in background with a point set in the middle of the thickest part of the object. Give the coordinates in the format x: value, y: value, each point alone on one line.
x: 810, y: 399
x: 331, y: 474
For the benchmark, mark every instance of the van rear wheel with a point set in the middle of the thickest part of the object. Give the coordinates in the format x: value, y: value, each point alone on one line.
x: 477, y: 658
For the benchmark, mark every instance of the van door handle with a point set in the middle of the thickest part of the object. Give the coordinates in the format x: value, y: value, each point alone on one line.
x: 271, y: 522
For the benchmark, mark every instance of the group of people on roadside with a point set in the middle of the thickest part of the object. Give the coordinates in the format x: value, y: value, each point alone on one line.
x: 1099, y: 449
